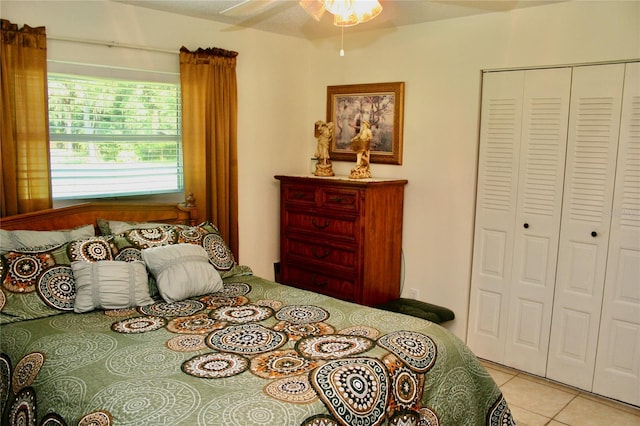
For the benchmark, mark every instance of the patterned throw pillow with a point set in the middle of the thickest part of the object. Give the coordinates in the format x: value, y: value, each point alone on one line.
x: 31, y: 277
x: 129, y: 246
x: 91, y: 249
x: 131, y: 242
x: 112, y: 227
x: 21, y: 270
x: 220, y: 255
x: 151, y: 237
x: 219, y: 252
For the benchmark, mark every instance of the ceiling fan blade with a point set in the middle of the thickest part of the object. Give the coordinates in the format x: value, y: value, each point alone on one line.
x: 246, y: 7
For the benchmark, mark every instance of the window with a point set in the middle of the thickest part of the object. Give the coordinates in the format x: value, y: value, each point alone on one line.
x: 113, y: 137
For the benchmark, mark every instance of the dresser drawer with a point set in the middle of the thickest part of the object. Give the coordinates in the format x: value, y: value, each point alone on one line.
x: 322, y: 198
x: 320, y: 283
x: 299, y: 195
x: 322, y: 226
x: 342, y: 237
x: 321, y: 255
x: 339, y: 199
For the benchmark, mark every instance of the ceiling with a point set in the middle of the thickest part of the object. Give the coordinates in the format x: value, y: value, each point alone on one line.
x: 288, y: 18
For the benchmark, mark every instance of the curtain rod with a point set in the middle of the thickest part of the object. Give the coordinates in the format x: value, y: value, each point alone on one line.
x: 113, y: 44
x: 109, y: 67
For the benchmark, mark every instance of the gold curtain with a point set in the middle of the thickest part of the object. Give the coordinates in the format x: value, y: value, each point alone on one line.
x: 209, y: 136
x: 24, y: 145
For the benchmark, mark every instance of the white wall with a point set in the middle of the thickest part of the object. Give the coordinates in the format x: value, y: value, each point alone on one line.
x: 441, y: 64
x: 272, y: 87
x: 281, y: 95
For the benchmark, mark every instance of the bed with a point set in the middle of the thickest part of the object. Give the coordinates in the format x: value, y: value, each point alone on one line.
x: 118, y: 319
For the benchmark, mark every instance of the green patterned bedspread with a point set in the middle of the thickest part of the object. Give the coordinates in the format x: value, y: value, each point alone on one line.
x: 258, y: 353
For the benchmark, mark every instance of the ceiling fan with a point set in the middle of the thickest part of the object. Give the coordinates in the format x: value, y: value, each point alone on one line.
x: 345, y: 13
x: 247, y: 7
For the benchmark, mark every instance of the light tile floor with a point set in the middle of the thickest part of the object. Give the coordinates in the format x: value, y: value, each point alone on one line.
x: 535, y: 401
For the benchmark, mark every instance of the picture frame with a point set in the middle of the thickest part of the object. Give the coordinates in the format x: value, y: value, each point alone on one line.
x: 382, y: 104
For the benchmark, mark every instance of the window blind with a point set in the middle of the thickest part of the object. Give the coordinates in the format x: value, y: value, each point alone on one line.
x: 113, y: 137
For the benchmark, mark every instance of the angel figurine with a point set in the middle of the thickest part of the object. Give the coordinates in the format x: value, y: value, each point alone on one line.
x: 324, y: 133
x: 361, y: 144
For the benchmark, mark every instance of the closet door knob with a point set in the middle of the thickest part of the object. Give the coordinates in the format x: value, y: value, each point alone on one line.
x: 526, y: 225
x: 594, y: 234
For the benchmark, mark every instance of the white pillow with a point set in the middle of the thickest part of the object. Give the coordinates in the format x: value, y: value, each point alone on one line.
x: 110, y: 284
x: 25, y: 239
x: 119, y: 227
x: 182, y: 271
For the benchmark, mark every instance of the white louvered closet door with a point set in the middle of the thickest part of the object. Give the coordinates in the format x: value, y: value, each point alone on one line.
x: 539, y: 204
x: 499, y: 155
x: 522, y: 148
x: 591, y: 162
x: 617, y: 371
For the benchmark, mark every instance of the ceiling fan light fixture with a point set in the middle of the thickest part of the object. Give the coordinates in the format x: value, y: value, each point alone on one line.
x: 315, y: 8
x: 339, y: 7
x: 366, y: 10
x: 345, y: 13
x: 345, y: 20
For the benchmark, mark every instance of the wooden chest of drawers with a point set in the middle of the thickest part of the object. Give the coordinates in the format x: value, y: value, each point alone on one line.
x: 342, y: 237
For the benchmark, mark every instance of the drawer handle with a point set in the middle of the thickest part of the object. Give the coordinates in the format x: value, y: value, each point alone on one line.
x: 340, y: 200
x: 315, y: 223
x: 317, y: 283
x: 299, y: 195
x: 318, y: 254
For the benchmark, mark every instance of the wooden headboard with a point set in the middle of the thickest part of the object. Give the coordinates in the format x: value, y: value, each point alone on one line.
x: 87, y: 213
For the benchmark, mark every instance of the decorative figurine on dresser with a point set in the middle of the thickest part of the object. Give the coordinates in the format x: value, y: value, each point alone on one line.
x: 324, y: 133
x: 342, y: 237
x: 361, y: 144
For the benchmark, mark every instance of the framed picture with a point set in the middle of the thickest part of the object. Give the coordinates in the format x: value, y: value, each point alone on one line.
x: 382, y: 105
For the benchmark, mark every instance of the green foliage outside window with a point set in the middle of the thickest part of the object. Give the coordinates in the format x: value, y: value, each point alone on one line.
x: 131, y: 125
